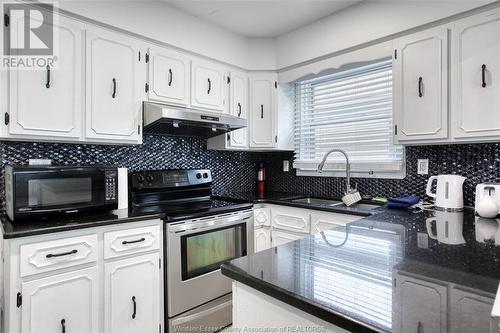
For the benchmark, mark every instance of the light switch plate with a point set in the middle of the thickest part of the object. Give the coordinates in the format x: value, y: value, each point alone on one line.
x: 286, y: 166
x: 423, y: 166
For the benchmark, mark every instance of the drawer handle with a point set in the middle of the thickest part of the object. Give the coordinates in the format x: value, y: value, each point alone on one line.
x: 135, y: 307
x: 50, y: 255
x: 63, y: 325
x: 239, y: 109
x: 134, y: 241
x: 262, y: 111
x: 170, y: 77
x: 47, y: 84
x: 113, y: 94
x: 420, y: 82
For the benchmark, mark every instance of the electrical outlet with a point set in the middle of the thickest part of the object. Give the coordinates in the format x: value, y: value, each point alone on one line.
x: 423, y: 167
x: 286, y: 166
x: 422, y: 240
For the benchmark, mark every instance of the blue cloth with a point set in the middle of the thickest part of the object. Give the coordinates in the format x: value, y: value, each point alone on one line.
x: 404, y: 201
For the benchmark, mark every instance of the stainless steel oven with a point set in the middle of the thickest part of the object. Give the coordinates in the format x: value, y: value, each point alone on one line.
x: 198, y: 296
x: 37, y: 191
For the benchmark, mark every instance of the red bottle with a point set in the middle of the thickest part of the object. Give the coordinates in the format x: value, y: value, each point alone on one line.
x: 261, y: 181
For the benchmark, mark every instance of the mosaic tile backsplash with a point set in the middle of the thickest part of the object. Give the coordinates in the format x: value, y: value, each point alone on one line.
x: 236, y: 171
x: 478, y: 162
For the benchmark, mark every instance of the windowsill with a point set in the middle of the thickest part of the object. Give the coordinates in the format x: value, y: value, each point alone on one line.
x: 354, y: 174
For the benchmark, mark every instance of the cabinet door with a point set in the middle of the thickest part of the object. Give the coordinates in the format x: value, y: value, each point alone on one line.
x: 282, y: 237
x: 115, y: 87
x: 239, y: 107
x: 476, y: 91
x: 420, y: 77
x: 132, y: 295
x: 262, y: 216
x: 262, y: 239
x: 169, y: 75
x: 61, y: 303
x: 208, y: 85
x: 471, y: 312
x: 420, y: 306
x: 48, y: 102
x: 263, y: 111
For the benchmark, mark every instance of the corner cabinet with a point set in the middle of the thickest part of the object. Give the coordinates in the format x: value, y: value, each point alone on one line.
x: 475, y: 77
x: 169, y: 76
x: 116, y: 84
x: 263, y: 110
x: 48, y: 103
x: 420, y: 80
x: 209, y: 86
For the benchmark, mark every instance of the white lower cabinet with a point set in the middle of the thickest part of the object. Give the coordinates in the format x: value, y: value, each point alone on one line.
x: 132, y: 295
x: 471, y: 312
x: 281, y: 237
x: 321, y: 221
x: 262, y: 239
x: 65, y: 302
x: 84, y: 293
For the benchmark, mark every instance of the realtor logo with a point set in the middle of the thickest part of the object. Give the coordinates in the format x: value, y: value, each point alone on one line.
x: 28, y: 35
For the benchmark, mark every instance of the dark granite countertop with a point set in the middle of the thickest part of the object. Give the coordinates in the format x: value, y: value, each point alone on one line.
x: 53, y: 224
x: 346, y: 275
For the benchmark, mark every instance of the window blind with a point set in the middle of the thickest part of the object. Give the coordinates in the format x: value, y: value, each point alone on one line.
x: 350, y: 110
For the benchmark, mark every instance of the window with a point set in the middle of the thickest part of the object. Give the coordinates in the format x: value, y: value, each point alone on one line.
x: 350, y: 110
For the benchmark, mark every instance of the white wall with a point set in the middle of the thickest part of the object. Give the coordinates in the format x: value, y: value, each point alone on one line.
x: 162, y: 22
x: 361, y: 23
x: 261, y: 54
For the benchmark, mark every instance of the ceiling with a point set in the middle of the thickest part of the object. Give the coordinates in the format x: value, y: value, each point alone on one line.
x: 261, y: 18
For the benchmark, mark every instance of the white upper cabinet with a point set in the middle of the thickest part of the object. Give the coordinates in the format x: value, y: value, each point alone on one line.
x: 239, y: 107
x: 263, y: 110
x: 475, y: 77
x: 420, y: 74
x: 116, y: 78
x: 47, y: 104
x: 208, y: 85
x: 169, y: 76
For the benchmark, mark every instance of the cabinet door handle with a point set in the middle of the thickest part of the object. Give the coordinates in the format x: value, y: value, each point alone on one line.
x: 262, y: 111
x: 63, y: 325
x: 134, y: 241
x: 47, y: 83
x: 483, y: 75
x: 50, y: 255
x: 209, y: 85
x: 420, y: 81
x: 114, y: 88
x: 239, y: 109
x: 135, y: 307
x: 420, y: 327
x: 170, y: 77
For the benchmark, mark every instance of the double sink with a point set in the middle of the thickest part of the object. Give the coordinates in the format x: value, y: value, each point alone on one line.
x: 332, y: 203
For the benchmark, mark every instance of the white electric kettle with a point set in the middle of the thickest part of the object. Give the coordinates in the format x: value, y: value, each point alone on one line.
x: 449, y: 193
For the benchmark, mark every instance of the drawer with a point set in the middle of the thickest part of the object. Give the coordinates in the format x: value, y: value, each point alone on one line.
x: 262, y: 217
x: 291, y: 219
x: 130, y: 241
x: 324, y: 221
x: 59, y: 253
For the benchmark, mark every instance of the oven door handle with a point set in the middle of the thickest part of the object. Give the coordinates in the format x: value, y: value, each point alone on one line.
x: 207, y: 225
x: 201, y: 314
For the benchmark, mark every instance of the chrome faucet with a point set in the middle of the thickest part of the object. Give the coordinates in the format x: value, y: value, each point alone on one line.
x: 347, y: 167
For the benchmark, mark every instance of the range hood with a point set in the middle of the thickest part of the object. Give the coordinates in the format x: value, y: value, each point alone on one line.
x: 177, y: 121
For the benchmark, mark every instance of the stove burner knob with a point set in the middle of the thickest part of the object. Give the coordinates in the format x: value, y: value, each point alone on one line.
x: 140, y: 179
x: 205, y: 175
x: 198, y: 175
x: 150, y: 178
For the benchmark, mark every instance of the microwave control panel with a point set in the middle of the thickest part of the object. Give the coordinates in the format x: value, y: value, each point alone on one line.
x: 111, y: 186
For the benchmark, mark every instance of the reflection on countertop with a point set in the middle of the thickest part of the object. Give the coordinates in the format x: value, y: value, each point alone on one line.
x: 382, y: 273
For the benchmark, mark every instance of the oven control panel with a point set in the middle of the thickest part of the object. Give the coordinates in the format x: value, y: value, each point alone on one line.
x: 164, y: 179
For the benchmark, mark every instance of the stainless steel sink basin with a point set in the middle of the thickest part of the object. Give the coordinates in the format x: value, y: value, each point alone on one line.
x: 360, y: 205
x: 316, y: 201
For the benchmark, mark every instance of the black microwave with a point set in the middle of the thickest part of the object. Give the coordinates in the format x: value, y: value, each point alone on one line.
x: 38, y: 191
